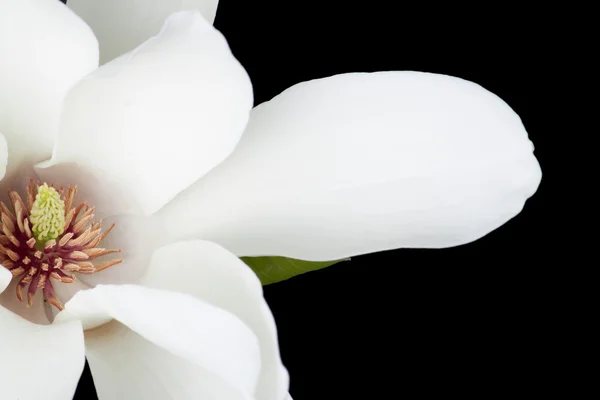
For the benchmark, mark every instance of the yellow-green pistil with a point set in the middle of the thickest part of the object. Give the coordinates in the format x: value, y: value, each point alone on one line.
x: 47, y: 215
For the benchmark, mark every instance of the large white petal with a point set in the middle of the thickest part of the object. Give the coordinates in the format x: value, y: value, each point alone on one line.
x: 121, y: 25
x: 125, y: 366
x: 186, y: 327
x: 45, y: 50
x: 39, y: 362
x: 148, y: 124
x: 359, y: 163
x: 209, y: 272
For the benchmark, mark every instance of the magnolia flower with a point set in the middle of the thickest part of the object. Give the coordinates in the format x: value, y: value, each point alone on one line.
x: 163, y: 142
x: 184, y: 320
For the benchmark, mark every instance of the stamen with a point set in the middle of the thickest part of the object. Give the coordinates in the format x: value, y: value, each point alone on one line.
x: 87, y: 217
x: 81, y: 239
x: 6, y: 220
x: 14, y: 241
x: 63, y: 241
x: 27, y: 230
x: 106, y: 265
x: 19, y: 211
x: 6, y: 230
x: 51, y: 297
x: 5, y: 209
x: 13, y: 255
x: 76, y: 255
x: 61, y: 276
x: 49, y: 237
x: 49, y: 245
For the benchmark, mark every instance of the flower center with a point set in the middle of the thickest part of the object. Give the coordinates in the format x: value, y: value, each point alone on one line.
x: 49, y: 239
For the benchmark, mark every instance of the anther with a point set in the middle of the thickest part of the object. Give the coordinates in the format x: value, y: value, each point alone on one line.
x: 13, y: 255
x: 14, y: 241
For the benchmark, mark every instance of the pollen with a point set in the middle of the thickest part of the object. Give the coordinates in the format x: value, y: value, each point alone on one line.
x: 47, y: 239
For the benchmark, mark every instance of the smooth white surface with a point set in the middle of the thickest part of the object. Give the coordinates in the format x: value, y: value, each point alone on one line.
x: 39, y: 362
x: 184, y: 326
x: 122, y: 25
x: 125, y: 366
x: 153, y: 121
x: 359, y: 163
x: 211, y: 273
x: 45, y: 49
x: 3, y: 156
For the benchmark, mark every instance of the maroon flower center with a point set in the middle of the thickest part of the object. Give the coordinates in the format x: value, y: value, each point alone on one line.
x: 35, y: 265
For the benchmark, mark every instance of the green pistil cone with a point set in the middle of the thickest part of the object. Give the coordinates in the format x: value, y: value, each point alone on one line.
x: 47, y: 215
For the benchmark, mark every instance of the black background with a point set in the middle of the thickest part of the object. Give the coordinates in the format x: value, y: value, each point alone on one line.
x: 469, y: 320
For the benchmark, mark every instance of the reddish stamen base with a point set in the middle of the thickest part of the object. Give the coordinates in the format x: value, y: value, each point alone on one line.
x: 73, y: 251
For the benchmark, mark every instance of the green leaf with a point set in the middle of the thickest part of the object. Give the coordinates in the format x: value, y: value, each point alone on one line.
x: 274, y: 269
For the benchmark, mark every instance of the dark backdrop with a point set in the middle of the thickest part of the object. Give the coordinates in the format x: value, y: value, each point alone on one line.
x: 409, y: 323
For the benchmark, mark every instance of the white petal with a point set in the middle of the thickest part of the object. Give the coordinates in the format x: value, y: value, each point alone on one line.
x: 360, y: 163
x: 122, y: 25
x: 3, y: 155
x: 153, y: 121
x: 209, y: 272
x: 39, y: 362
x: 189, y: 328
x: 125, y: 366
x: 137, y: 236
x: 45, y: 50
x: 5, y: 278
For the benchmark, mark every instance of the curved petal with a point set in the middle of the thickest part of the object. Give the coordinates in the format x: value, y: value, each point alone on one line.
x: 125, y: 366
x: 182, y: 325
x: 209, y: 272
x: 359, y: 163
x: 122, y: 25
x: 153, y: 121
x: 45, y: 50
x: 39, y: 362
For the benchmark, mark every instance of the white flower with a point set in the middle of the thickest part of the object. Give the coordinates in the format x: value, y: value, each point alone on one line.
x: 195, y: 325
x: 331, y: 168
